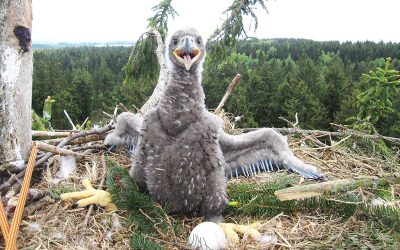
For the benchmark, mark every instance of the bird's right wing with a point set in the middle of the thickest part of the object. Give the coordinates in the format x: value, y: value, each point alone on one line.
x: 126, y: 131
x: 263, y: 150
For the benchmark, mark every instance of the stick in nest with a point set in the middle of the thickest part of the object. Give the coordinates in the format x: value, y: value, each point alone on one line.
x: 65, y: 141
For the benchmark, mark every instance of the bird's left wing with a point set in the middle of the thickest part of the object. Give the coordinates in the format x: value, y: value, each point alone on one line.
x: 126, y: 131
x: 263, y: 150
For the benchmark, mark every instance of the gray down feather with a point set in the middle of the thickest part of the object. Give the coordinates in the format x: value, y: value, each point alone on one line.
x: 183, y: 157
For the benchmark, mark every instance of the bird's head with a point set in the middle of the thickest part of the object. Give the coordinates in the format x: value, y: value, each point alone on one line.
x: 186, y: 48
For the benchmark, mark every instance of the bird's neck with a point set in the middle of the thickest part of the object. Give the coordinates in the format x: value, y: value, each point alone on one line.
x: 183, y: 100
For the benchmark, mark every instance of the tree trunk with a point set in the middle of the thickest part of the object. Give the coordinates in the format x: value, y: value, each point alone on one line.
x: 15, y: 82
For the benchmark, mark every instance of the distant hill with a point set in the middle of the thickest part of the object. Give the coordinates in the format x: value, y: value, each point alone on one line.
x: 48, y: 45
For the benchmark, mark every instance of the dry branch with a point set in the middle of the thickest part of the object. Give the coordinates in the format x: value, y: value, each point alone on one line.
x: 65, y: 141
x: 331, y: 187
x: 56, y: 150
x: 332, y: 134
x: 77, y: 141
x: 228, y: 92
x: 50, y: 133
x: 69, y: 119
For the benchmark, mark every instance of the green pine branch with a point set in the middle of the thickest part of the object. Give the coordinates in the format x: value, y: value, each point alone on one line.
x: 143, y: 212
x: 233, y: 27
x: 142, y: 66
x: 258, y: 200
x: 246, y: 198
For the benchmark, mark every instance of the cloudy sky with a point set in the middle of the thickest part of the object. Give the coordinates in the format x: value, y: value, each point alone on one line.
x: 117, y: 20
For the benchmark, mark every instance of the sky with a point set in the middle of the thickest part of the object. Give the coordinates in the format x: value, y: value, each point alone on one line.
x: 125, y: 20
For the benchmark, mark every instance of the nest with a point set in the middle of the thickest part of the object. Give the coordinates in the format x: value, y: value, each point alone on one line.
x: 50, y: 223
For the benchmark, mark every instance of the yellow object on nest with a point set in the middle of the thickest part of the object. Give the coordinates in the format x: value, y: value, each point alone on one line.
x: 231, y: 231
x: 90, y: 196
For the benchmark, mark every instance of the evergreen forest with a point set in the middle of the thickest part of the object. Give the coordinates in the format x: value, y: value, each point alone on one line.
x: 323, y: 82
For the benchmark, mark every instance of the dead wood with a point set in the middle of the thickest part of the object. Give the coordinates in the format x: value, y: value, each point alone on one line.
x: 56, y: 150
x: 332, y: 134
x: 36, y: 133
x: 331, y: 187
x: 14, y: 178
x: 228, y: 92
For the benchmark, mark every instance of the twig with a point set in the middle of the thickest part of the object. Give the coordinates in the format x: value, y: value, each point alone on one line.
x: 69, y: 119
x: 122, y: 106
x: 13, y: 179
x: 95, y: 147
x: 297, y: 120
x: 293, y: 125
x: 330, y: 146
x: 287, y: 244
x: 336, y: 186
x: 137, y: 109
x: 228, y: 92
x: 84, y: 122
x: 108, y: 115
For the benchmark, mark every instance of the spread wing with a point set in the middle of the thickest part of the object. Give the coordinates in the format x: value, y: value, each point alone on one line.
x: 263, y: 150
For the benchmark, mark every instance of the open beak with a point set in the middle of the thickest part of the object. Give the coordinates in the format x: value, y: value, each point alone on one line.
x: 187, y: 52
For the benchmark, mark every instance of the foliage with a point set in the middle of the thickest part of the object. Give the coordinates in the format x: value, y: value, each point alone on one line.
x: 38, y: 123
x: 85, y: 81
x: 142, y: 68
x: 258, y: 200
x: 233, y: 28
x: 376, y: 102
x: 143, y: 211
x: 159, y: 21
x: 43, y: 123
x: 318, y: 80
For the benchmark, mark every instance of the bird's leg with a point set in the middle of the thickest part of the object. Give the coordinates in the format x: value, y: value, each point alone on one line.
x: 214, y: 197
x: 137, y: 173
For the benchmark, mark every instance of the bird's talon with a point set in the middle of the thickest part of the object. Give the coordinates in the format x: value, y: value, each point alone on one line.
x: 232, y: 231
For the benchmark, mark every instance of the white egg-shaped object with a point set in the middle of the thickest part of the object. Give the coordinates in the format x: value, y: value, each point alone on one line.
x: 207, y: 236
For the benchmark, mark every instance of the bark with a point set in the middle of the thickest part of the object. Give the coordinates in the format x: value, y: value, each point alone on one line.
x: 15, y: 81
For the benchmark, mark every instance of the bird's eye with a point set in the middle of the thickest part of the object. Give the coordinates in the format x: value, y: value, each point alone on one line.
x: 198, y: 41
x: 174, y: 41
